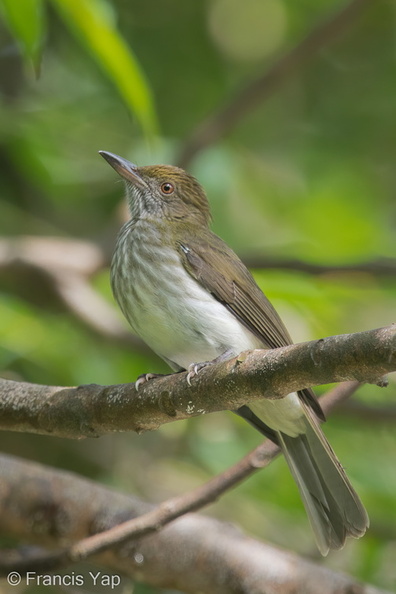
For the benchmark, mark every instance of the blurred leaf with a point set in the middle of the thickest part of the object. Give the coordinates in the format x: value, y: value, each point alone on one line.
x: 92, y: 21
x: 25, y: 18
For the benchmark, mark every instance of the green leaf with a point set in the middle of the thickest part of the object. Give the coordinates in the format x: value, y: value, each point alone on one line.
x: 25, y: 19
x: 93, y: 23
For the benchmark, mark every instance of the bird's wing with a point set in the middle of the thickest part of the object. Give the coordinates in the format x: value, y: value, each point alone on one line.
x: 217, y: 268
x: 210, y: 261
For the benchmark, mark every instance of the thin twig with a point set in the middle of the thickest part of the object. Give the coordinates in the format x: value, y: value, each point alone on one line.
x: 369, y: 413
x: 222, y: 122
x: 379, y: 267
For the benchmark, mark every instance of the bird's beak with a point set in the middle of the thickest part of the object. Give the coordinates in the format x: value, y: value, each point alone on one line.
x: 124, y: 168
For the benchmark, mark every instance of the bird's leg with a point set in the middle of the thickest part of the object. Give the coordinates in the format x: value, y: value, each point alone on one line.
x: 194, y: 368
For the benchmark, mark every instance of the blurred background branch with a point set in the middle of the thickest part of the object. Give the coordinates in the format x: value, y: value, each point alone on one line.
x: 193, y: 554
x: 260, y: 89
x: 57, y: 272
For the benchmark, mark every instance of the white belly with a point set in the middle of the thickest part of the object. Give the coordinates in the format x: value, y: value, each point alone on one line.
x: 183, y: 322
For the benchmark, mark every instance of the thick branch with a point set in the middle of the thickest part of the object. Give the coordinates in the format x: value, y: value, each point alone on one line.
x: 93, y: 410
x: 194, y: 554
x: 223, y: 121
x: 171, y: 509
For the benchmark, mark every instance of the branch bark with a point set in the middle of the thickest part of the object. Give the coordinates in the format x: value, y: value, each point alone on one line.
x: 193, y: 554
x: 93, y: 410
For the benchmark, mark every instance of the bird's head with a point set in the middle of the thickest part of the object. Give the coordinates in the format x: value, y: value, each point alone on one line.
x: 161, y: 191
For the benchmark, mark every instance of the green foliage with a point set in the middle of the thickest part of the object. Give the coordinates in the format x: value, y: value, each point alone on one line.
x: 93, y: 23
x: 308, y: 174
x: 25, y: 19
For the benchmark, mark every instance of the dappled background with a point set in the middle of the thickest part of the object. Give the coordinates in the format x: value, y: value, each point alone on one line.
x: 302, y: 185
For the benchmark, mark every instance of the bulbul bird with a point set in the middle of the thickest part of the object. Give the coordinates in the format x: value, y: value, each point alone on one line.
x: 191, y: 299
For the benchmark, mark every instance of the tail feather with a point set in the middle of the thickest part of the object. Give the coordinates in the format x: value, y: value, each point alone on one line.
x: 333, y: 507
x: 312, y: 494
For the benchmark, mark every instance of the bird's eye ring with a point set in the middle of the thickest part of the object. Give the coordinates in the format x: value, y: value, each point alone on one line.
x: 167, y: 188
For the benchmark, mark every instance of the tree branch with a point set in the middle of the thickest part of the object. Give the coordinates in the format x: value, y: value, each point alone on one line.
x: 171, y: 509
x: 93, y: 410
x: 368, y: 412
x: 222, y: 122
x: 57, y: 271
x: 193, y: 554
x: 379, y: 267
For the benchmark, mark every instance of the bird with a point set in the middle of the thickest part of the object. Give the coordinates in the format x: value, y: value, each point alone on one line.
x: 190, y: 298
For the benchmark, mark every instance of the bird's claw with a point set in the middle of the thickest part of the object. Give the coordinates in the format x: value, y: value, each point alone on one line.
x: 146, y: 377
x: 194, y: 368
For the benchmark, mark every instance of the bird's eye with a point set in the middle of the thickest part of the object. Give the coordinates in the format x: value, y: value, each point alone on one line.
x: 167, y: 188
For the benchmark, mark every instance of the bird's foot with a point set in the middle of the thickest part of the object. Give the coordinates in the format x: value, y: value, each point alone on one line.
x: 146, y: 377
x: 194, y: 368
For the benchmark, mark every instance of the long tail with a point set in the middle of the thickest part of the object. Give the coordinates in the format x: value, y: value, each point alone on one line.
x: 332, y: 505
